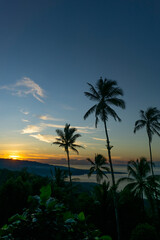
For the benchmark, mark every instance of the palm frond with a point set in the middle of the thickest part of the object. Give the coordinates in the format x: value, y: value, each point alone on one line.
x: 60, y: 133
x: 139, y: 124
x: 77, y: 145
x: 90, y: 111
x: 111, y: 112
x: 93, y: 90
x: 116, y: 91
x: 89, y: 160
x: 74, y: 149
x: 117, y: 102
x: 91, y: 96
x: 124, y: 179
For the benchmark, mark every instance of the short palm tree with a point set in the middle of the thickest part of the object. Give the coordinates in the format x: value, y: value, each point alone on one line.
x: 99, y: 167
x: 140, y: 181
x: 149, y: 119
x: 66, y: 139
x: 106, y: 93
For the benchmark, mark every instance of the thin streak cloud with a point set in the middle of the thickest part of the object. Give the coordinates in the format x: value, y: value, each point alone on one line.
x: 44, y: 138
x: 80, y: 129
x: 99, y: 139
x: 49, y: 118
x: 25, y: 120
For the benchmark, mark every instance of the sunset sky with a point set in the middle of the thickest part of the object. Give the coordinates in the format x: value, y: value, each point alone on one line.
x: 50, y: 49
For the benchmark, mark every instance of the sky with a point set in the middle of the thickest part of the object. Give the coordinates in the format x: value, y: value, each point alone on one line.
x: 50, y: 49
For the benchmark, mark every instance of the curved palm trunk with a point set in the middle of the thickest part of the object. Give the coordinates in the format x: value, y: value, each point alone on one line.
x: 113, y: 181
x: 69, y: 169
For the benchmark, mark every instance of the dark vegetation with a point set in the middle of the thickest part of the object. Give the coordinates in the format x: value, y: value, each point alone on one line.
x: 38, y: 207
x: 33, y: 207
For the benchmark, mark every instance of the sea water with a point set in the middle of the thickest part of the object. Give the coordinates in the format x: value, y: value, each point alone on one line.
x: 119, y: 169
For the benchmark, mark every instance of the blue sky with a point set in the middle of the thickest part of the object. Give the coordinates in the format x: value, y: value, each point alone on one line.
x: 50, y: 49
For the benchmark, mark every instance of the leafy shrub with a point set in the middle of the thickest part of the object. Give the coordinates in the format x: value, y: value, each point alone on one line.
x: 144, y: 232
x: 49, y: 219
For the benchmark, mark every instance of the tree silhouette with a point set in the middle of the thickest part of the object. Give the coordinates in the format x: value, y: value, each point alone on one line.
x: 141, y: 183
x: 98, y: 166
x: 149, y: 119
x: 106, y: 93
x: 66, y: 139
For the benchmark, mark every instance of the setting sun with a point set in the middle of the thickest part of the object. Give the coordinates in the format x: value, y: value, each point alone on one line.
x: 14, y: 157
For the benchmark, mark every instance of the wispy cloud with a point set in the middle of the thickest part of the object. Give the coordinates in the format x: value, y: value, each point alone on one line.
x: 79, y: 128
x: 44, y: 138
x: 52, y: 125
x: 25, y: 120
x: 25, y: 87
x: 49, y: 118
x: 24, y: 112
x: 99, y: 139
x: 31, y: 129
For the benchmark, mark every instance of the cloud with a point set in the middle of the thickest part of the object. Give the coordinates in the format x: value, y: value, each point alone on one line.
x: 99, y: 139
x: 79, y: 129
x: 47, y: 117
x: 25, y: 120
x: 24, y: 87
x: 52, y: 125
x: 31, y: 129
x: 44, y: 138
x: 24, y: 112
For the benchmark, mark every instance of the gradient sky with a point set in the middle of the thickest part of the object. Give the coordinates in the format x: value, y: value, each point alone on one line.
x: 50, y: 49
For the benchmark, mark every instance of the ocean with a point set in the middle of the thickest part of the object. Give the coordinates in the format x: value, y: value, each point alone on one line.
x: 119, y: 169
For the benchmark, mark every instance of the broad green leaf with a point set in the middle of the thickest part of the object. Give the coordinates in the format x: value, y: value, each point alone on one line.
x: 5, y: 227
x: 67, y: 215
x: 105, y: 238
x: 70, y: 221
x: 81, y: 216
x: 45, y: 194
x: 16, y: 217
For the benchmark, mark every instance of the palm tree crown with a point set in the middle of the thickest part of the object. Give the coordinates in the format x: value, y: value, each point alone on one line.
x: 98, y: 166
x: 66, y: 139
x: 149, y: 119
x: 141, y: 182
x: 105, y: 93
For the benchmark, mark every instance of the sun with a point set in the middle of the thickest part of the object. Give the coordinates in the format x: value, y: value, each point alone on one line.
x: 14, y: 157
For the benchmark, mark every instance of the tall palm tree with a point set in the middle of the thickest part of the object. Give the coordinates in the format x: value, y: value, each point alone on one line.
x: 149, y: 119
x: 106, y: 93
x: 98, y: 166
x: 140, y: 181
x: 66, y: 139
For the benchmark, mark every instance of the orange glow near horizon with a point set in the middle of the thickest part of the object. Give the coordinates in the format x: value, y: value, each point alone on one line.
x: 14, y: 157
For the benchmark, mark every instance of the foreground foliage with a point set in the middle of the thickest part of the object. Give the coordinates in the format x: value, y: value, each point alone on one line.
x: 49, y: 219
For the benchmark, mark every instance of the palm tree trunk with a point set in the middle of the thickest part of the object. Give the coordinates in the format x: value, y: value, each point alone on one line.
x: 113, y: 182
x: 156, y: 197
x: 151, y: 158
x: 69, y: 169
x: 109, y: 154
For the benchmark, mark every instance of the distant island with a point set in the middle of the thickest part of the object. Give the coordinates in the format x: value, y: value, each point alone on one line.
x: 37, y: 168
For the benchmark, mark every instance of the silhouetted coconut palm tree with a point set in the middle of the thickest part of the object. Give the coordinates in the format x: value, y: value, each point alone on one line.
x: 149, y: 119
x: 140, y: 181
x: 66, y: 139
x: 106, y: 93
x: 99, y: 167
